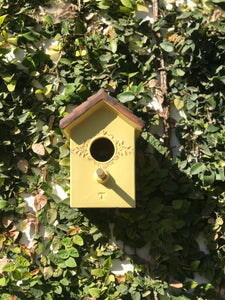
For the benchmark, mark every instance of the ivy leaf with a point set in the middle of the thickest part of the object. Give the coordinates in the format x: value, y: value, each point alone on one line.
x: 64, y: 254
x: 70, y: 262
x: 194, y: 265
x: 167, y: 46
x: 177, y: 204
x: 64, y: 29
x: 77, y: 239
x: 65, y: 162
x: 142, y: 8
x: 48, y: 272
x: 212, y: 128
x: 2, y: 19
x: 98, y: 272
x: 58, y: 290
x: 51, y: 215
x: 64, y: 281
x: 22, y: 261
x: 66, y: 242
x: 208, y: 177
x: 127, y: 3
x: 9, y: 267
x: 179, y: 104
x: 135, y: 295
x: 113, y: 45
x: 184, y: 15
x: 108, y: 262
x: 95, y: 292
x: 197, y: 168
x: 125, y: 97
x: 69, y: 89
x: 3, y: 281
x: 48, y: 19
x: 11, y: 86
x: 3, y: 204
x: 73, y: 252
x: 154, y: 142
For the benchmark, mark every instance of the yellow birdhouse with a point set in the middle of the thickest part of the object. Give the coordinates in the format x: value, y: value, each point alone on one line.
x: 102, y: 134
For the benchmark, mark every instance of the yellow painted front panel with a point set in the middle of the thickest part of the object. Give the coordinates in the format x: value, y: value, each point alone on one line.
x: 119, y: 190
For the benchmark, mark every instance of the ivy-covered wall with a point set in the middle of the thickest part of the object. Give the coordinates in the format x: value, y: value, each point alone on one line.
x: 52, y: 57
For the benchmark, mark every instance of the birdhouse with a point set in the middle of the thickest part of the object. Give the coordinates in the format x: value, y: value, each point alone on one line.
x: 102, y: 134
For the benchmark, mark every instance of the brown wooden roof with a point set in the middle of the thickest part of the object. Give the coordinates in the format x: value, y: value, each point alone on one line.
x: 93, y: 100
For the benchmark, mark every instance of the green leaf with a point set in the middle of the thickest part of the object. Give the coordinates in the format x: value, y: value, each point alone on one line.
x: 48, y: 297
x: 220, y: 175
x: 180, y: 72
x: 142, y: 8
x: 125, y: 97
x: 184, y: 15
x: 64, y: 29
x: 95, y: 292
x: 69, y: 89
x: 70, y: 262
x: 77, y: 239
x: 64, y: 282
x: 3, y: 281
x: 58, y: 290
x: 11, y: 86
x: 209, y: 177
x: 2, y: 19
x: 31, y: 36
x: 47, y: 90
x: 135, y: 295
x: 197, y: 168
x: 156, y: 144
x: 212, y: 128
x: 73, y: 252
x: 140, y: 88
x: 177, y: 204
x: 51, y: 215
x: 130, y: 75
x: 48, y: 19
x: 179, y: 104
x: 65, y: 162
x: 9, y: 267
x: 66, y: 242
x: 98, y: 272
x: 36, y: 293
x: 108, y: 262
x: 113, y: 45
x: 167, y: 46
x: 194, y: 265
x: 127, y: 3
x: 64, y: 254
x: 22, y: 261
x: 3, y: 204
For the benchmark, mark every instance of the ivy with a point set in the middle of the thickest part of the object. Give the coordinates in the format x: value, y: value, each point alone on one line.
x: 104, y: 44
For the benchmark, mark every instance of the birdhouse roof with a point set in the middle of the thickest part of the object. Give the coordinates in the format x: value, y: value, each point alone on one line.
x: 101, y: 95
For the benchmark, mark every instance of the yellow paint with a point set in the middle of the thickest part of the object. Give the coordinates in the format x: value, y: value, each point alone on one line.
x: 101, y: 125
x: 104, y: 106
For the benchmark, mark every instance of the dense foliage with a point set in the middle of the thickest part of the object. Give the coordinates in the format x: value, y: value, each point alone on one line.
x: 95, y: 44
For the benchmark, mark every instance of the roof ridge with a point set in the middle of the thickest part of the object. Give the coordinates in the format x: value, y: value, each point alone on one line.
x: 92, y: 101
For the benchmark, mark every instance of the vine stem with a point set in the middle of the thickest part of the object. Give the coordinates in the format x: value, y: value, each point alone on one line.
x: 165, y: 114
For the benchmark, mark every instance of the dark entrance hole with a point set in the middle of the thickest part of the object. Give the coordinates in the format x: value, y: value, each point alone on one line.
x: 102, y: 149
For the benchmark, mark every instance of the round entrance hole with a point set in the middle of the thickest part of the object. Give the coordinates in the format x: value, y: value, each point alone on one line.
x: 102, y: 149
